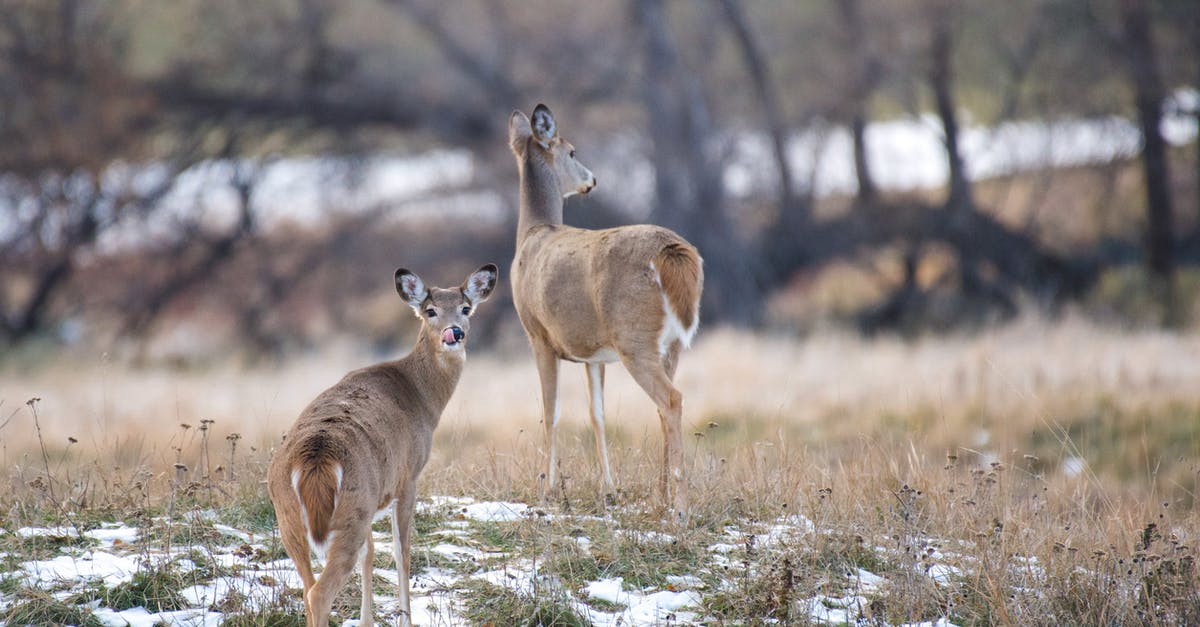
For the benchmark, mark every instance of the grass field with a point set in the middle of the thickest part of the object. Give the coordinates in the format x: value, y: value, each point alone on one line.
x: 1037, y: 474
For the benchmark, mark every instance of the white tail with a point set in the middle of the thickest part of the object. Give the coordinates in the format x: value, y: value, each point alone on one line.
x: 629, y: 294
x: 358, y: 448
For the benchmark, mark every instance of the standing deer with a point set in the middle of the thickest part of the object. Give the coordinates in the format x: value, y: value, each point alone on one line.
x: 358, y: 448
x: 628, y: 294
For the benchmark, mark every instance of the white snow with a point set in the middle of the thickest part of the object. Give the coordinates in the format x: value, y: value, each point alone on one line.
x: 114, y: 535
x: 495, y: 511
x: 436, y: 593
x: 944, y: 573
x: 641, y: 609
x: 112, y: 569
x: 454, y: 551
x: 230, y: 531
x: 867, y: 579
x: 141, y: 617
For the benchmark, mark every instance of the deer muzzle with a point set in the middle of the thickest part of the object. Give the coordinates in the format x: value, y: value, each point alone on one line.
x: 451, y: 336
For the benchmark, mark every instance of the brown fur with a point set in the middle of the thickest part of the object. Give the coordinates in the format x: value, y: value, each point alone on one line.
x: 597, y: 296
x: 377, y: 425
x: 317, y: 484
x: 682, y: 280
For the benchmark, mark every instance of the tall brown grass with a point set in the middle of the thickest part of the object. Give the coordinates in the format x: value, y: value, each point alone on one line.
x: 1050, y: 469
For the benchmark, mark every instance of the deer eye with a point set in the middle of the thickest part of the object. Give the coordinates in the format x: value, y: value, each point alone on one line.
x: 466, y: 311
x: 572, y: 153
x: 430, y: 313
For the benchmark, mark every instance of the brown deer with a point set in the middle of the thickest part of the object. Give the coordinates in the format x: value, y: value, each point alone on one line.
x: 358, y: 448
x: 628, y: 294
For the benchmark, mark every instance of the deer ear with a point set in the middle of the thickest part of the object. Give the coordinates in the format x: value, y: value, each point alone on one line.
x: 544, y: 127
x: 411, y: 288
x: 480, y: 284
x: 518, y: 131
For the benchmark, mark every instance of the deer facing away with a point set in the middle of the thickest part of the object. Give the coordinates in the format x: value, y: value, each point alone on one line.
x: 628, y: 294
x: 358, y: 448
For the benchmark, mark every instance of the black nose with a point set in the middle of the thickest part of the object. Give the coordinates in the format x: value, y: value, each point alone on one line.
x: 458, y: 334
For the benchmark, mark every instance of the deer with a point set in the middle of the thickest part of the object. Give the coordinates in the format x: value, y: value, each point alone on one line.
x: 357, y: 449
x: 629, y: 294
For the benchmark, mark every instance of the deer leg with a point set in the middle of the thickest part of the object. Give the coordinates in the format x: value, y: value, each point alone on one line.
x: 296, y: 545
x: 402, y: 513
x: 366, y: 612
x: 596, y: 394
x: 547, y: 367
x: 652, y: 377
x: 670, y: 360
x: 339, y: 563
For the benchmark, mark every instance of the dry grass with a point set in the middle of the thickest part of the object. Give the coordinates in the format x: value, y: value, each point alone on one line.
x: 1041, y: 473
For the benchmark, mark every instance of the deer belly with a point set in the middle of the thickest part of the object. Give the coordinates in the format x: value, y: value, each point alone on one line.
x: 602, y: 356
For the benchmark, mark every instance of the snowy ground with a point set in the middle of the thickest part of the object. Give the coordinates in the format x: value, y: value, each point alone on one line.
x: 230, y: 571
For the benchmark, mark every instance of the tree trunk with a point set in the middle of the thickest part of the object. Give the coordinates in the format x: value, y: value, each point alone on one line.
x: 1142, y: 61
x: 689, y: 194
x: 760, y: 75
x: 941, y: 78
x: 865, y: 68
x: 1195, y: 36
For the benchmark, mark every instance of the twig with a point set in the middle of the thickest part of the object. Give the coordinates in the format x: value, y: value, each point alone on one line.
x: 32, y: 404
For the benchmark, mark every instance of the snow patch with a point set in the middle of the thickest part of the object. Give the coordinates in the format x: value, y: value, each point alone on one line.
x: 97, y: 565
x: 496, y: 511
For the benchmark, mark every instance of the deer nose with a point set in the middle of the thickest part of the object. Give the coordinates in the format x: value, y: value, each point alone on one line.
x: 452, y: 335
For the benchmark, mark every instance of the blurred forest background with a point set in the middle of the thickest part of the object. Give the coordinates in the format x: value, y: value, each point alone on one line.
x: 188, y: 180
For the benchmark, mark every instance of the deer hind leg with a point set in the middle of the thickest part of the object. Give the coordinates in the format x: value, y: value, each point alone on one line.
x: 295, y: 543
x: 595, y: 379
x: 402, y: 513
x: 547, y: 367
x: 650, y: 374
x: 339, y: 563
x: 367, y: 608
x: 670, y: 359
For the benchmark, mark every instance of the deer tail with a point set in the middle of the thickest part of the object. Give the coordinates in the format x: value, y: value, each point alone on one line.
x: 316, y: 478
x: 681, y: 272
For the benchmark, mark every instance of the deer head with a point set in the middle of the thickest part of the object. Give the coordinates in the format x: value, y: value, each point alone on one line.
x: 538, y: 140
x: 446, y: 313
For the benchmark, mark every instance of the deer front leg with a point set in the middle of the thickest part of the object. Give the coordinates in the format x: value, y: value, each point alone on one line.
x: 547, y: 367
x: 402, y: 513
x: 596, y: 394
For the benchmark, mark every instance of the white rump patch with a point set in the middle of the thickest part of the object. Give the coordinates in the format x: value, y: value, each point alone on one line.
x: 319, y: 548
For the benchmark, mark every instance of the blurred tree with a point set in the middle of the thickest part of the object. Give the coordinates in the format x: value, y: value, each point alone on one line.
x: 66, y: 112
x: 865, y: 71
x: 688, y: 186
x: 1137, y: 39
x: 106, y: 107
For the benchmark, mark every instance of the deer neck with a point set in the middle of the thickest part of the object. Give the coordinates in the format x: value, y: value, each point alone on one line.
x: 541, y: 199
x: 435, y: 372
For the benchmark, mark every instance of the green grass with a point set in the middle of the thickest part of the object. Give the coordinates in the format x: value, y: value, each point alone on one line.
x: 422, y: 559
x: 206, y: 567
x: 250, y: 510
x: 10, y: 584
x: 36, y: 607
x: 42, y: 547
x: 268, y: 618
x: 156, y: 589
x: 493, y: 605
x: 604, y: 605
